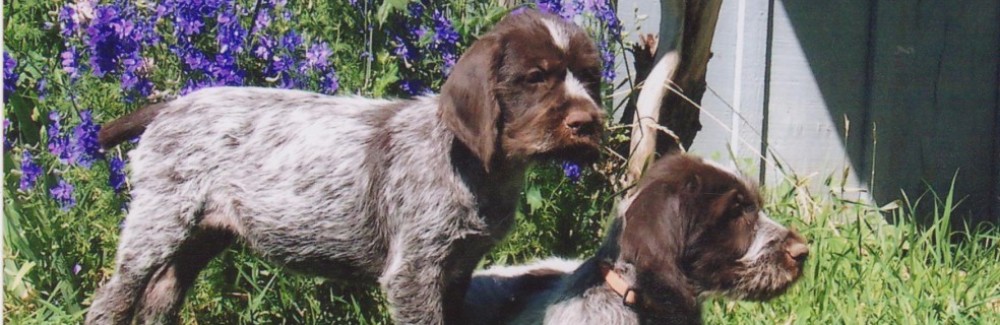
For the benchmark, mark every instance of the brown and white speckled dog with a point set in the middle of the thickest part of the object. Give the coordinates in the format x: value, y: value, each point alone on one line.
x: 411, y: 193
x: 694, y: 228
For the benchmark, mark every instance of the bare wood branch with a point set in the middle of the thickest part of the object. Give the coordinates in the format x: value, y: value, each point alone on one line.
x: 677, y: 113
x: 647, y: 115
x: 683, y: 51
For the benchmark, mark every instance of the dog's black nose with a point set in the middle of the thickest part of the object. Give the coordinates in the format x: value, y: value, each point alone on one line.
x: 581, y: 123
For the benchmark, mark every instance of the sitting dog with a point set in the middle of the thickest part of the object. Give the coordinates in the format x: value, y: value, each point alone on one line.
x: 409, y: 193
x: 693, y: 228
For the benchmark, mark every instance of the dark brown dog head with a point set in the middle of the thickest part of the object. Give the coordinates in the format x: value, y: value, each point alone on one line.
x: 698, y: 228
x: 528, y: 89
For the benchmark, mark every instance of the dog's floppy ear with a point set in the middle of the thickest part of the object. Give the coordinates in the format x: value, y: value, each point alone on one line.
x: 469, y: 107
x: 653, y: 239
x: 653, y: 231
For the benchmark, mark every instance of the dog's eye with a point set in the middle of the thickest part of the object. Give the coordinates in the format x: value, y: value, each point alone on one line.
x: 741, y: 209
x: 535, y: 76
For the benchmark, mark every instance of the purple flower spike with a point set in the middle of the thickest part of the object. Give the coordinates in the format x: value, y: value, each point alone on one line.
x: 317, y: 56
x: 608, y: 61
x: 85, y: 149
x: 572, y: 171
x: 413, y: 87
x: 9, y: 76
x: 550, y: 6
x: 445, y: 40
x: 116, y: 179
x: 331, y: 82
x: 291, y: 41
x: 63, y: 194
x: 67, y: 24
x: 8, y: 142
x: 29, y: 171
x: 59, y: 145
x: 42, y: 88
x: 69, y: 62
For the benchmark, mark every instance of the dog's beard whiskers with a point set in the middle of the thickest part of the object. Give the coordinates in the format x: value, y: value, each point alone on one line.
x: 762, y: 280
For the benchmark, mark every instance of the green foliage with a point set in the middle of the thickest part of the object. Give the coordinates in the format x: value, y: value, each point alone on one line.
x: 867, y: 271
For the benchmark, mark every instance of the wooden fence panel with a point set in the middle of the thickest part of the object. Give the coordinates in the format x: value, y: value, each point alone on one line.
x: 917, y: 81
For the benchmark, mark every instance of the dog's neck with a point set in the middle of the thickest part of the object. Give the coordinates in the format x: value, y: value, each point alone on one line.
x: 497, y: 190
x: 659, y: 298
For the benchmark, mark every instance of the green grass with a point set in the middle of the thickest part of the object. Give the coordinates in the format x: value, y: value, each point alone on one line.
x: 863, y: 270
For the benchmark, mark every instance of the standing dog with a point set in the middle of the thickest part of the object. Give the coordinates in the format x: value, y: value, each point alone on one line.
x: 411, y: 193
x: 693, y: 228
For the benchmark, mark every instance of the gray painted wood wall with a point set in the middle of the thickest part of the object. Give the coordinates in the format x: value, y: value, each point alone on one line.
x: 900, y: 94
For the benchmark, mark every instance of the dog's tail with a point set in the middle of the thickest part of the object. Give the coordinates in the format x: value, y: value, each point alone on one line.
x: 128, y: 126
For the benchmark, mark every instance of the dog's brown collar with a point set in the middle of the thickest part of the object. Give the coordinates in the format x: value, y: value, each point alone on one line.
x: 619, y: 285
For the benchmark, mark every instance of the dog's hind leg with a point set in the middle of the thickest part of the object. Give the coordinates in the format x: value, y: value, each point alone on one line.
x: 165, y: 292
x: 153, y: 233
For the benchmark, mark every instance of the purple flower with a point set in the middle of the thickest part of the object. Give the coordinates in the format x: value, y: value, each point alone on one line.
x: 225, y: 71
x: 134, y: 76
x: 231, y: 34
x: 8, y: 141
x: 105, y: 45
x: 444, y: 33
x: 77, y: 268
x: 213, y: 66
x: 116, y: 178
x: 63, y: 194
x: 282, y: 63
x: 316, y: 56
x: 405, y: 49
x: 550, y: 6
x: 331, y: 82
x: 572, y: 171
x: 192, y: 85
x: 413, y: 87
x: 606, y: 14
x: 264, y: 47
x: 416, y: 9
x: 41, y: 86
x: 58, y: 144
x: 263, y: 20
x: 116, y: 37
x: 66, y: 23
x: 69, y: 62
x: 608, y: 61
x: 571, y: 9
x: 9, y: 76
x: 291, y: 41
x: 85, y: 149
x: 187, y: 15
x: 449, y: 60
x: 193, y: 58
x: 29, y: 171
x: 445, y: 40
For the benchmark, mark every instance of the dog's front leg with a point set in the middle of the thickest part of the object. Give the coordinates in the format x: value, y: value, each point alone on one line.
x: 415, y: 290
x: 426, y: 282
